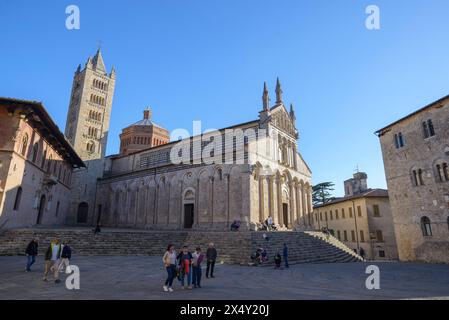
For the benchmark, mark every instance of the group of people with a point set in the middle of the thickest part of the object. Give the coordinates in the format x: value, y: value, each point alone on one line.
x: 187, y: 266
x: 268, y: 225
x: 57, y: 257
x: 261, y: 257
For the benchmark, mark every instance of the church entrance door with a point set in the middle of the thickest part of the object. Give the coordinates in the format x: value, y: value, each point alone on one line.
x: 188, y: 215
x: 285, y: 213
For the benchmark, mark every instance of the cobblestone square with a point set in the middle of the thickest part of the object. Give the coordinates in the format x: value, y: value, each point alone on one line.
x: 136, y: 277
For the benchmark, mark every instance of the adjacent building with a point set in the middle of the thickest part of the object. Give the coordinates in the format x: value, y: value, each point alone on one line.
x: 416, y: 156
x: 360, y: 219
x: 36, y: 165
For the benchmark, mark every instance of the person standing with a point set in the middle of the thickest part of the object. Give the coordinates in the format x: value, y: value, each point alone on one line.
x: 66, y: 255
x: 185, y: 266
x: 52, y: 256
x: 211, y: 256
x: 31, y: 253
x: 169, y: 261
x: 198, y: 258
x: 270, y: 223
x: 362, y: 253
x: 285, y: 255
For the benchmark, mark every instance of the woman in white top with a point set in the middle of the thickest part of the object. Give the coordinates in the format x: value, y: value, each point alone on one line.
x: 169, y: 261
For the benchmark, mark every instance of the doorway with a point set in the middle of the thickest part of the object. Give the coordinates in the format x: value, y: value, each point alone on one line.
x: 83, y: 210
x: 41, y: 209
x: 285, y: 213
x: 188, y: 215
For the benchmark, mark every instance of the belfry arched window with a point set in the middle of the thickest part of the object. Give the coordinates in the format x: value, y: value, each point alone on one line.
x: 24, y: 145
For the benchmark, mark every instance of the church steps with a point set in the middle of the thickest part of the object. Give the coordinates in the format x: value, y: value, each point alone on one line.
x: 233, y: 247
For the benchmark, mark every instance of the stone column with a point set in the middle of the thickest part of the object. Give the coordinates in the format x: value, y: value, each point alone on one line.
x: 309, y: 202
x: 261, y: 199
x: 279, y: 197
x: 211, y: 197
x: 270, y: 195
x: 227, y: 176
x: 293, y: 204
x: 304, y: 204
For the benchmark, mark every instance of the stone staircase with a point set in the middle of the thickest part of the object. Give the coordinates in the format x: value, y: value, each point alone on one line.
x: 233, y: 247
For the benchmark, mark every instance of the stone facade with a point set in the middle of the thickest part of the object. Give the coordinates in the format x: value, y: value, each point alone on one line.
x: 36, y: 165
x: 360, y: 219
x: 87, y: 130
x: 142, y: 135
x: 146, y: 189
x: 416, y: 155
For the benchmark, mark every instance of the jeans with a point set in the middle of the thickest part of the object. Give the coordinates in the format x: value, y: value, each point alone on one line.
x: 188, y: 276
x: 210, y: 267
x: 30, y: 260
x: 197, y: 276
x: 171, y: 274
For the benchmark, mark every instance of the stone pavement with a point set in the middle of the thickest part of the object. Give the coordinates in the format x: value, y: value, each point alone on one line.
x: 132, y: 277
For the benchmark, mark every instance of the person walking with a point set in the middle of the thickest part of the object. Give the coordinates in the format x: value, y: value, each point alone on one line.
x: 198, y: 258
x: 31, y: 253
x: 66, y: 255
x: 362, y: 253
x: 277, y: 260
x: 169, y: 260
x: 211, y: 256
x: 52, y: 256
x: 185, y: 266
x: 285, y: 255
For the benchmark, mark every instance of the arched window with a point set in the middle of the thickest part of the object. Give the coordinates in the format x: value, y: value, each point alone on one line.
x: 431, y: 129
x: 426, y: 227
x: 17, y: 200
x: 24, y: 145
x: 90, y: 147
x: 35, y: 150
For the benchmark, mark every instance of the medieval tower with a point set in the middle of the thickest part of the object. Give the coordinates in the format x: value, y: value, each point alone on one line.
x: 87, y: 130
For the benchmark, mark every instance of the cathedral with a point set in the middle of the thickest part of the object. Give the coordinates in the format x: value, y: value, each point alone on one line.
x: 246, y: 173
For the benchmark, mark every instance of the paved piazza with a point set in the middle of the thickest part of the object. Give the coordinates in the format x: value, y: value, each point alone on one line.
x: 141, y: 278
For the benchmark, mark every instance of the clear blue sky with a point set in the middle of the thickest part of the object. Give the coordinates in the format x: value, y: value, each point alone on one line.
x: 207, y: 60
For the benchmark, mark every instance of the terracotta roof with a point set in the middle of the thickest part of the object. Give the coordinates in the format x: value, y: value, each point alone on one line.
x: 370, y: 193
x: 39, y: 118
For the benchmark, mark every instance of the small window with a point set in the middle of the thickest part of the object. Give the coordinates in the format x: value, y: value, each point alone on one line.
x: 426, y: 227
x: 362, y: 236
x: 381, y: 254
x: 350, y: 212
x: 343, y: 214
x: 24, y: 145
x: 339, y: 235
x: 379, y: 236
x: 399, y: 140
x: 376, y: 212
x: 17, y: 200
x: 336, y: 215
x: 35, y: 150
x: 359, y: 211
x: 57, y: 209
x: 345, y: 235
x: 352, y: 235
x: 431, y: 128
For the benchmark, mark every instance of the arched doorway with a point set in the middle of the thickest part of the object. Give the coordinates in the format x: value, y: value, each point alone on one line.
x: 41, y: 209
x: 189, y: 209
x: 83, y: 210
x: 285, y: 208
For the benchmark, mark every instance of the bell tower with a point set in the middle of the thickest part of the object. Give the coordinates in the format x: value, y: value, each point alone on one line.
x: 87, y: 130
x: 90, y: 108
